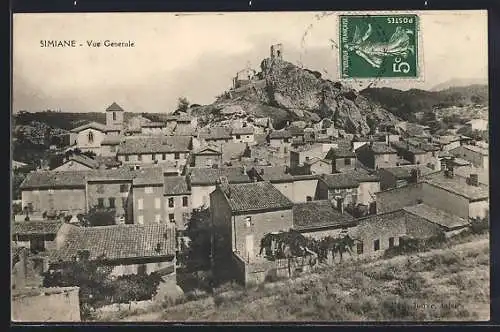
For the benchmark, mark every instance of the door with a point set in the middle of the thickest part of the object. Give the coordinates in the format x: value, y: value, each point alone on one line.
x: 249, y: 247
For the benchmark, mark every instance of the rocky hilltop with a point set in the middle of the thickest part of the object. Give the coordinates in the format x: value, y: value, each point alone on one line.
x: 285, y: 92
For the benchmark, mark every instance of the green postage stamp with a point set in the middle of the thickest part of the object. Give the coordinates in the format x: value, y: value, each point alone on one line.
x: 379, y: 46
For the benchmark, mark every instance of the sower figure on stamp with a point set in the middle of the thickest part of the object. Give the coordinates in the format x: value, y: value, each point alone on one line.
x: 374, y: 53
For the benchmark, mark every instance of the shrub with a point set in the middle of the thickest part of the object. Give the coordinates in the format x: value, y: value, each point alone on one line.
x: 135, y: 287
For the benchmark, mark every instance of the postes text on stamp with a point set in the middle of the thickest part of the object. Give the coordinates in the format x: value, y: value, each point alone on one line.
x: 379, y: 46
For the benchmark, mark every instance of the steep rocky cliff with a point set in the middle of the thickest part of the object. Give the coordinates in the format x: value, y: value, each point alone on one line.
x: 286, y: 92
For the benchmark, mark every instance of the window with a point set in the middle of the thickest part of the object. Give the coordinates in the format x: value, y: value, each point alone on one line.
x: 177, y: 155
x: 158, y: 218
x: 286, y: 140
x: 285, y: 150
x: 347, y: 161
x: 91, y: 137
x: 140, y: 204
x: 153, y: 156
x: 140, y: 219
x: 171, y: 217
x: 248, y: 221
x: 37, y: 244
x: 112, y: 148
x: 114, y: 116
x: 139, y: 157
x: 376, y: 245
x: 100, y: 202
x: 123, y: 188
x: 391, y: 242
x: 148, y: 190
x: 185, y: 201
x: 126, y: 157
x: 112, y: 202
x: 359, y: 248
x: 238, y: 136
x: 308, y: 198
x: 163, y: 156
x: 157, y: 203
x: 171, y: 202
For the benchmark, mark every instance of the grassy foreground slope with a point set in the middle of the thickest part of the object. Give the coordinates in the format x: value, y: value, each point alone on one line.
x: 449, y: 284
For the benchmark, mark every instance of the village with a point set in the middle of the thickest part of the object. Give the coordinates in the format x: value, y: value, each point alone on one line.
x: 272, y: 203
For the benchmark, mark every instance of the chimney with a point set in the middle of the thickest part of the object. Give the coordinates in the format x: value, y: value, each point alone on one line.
x: 474, y: 180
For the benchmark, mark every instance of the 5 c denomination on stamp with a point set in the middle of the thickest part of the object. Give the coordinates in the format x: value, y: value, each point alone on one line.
x: 379, y: 46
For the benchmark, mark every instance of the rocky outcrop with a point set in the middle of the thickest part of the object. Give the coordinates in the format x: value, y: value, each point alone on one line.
x: 286, y: 92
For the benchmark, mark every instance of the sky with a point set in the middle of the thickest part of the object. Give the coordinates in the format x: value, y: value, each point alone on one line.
x: 196, y: 55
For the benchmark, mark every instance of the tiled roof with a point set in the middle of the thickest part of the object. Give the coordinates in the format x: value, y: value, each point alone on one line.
x: 404, y: 172
x: 148, y: 175
x: 108, y: 161
x: 118, y: 242
x: 255, y: 197
x: 232, y: 150
x: 84, y: 160
x: 319, y: 214
x: 296, y: 131
x: 36, y: 227
x: 459, y: 186
x: 209, y: 176
x: 466, y: 171
x: 216, y: 133
x: 447, y: 139
x: 380, y: 148
x: 145, y: 145
x: 175, y: 185
x: 114, y: 107
x: 339, y: 181
x: 273, y: 173
x: 362, y: 175
x: 243, y: 131
x: 185, y: 131
x: 153, y: 125
x: 407, y: 147
x: 474, y: 148
x: 340, y: 153
x: 91, y: 125
x: 54, y: 179
x: 207, y: 150
x: 78, y: 179
x: 111, y: 140
x: 184, y: 118
x: 316, y: 160
x: 436, y: 216
x: 279, y: 134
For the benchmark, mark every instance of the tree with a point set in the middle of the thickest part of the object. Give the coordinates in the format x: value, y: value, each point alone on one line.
x: 100, y: 217
x: 182, y: 104
x: 199, y: 231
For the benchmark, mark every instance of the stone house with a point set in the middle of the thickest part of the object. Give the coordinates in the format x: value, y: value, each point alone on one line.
x: 88, y: 137
x: 243, y: 213
x: 177, y: 201
x: 342, y: 159
x: 130, y: 249
x: 206, y: 156
x: 451, y: 193
x: 201, y: 181
x: 78, y: 163
x: 479, y: 157
x: 376, y: 155
x: 215, y: 136
x: 447, y: 143
x: 369, y: 185
x: 281, y: 140
x: 340, y: 188
x: 478, y: 124
x: 153, y: 128
x: 400, y: 176
x: 147, y: 195
x: 109, y: 146
x: 243, y: 134
x: 154, y: 150
x: 319, y: 166
x: 38, y: 236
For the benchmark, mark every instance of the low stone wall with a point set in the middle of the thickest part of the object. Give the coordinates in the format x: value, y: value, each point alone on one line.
x: 61, y: 304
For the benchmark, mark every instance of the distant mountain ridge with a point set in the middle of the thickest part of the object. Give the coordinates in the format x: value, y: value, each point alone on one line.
x: 405, y: 103
x: 457, y: 83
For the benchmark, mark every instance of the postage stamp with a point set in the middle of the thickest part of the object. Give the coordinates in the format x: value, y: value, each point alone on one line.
x: 379, y: 46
